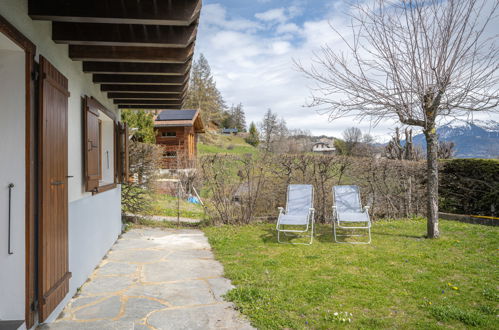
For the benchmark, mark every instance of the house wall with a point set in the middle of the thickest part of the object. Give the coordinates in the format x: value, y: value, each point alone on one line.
x: 94, y: 220
x: 12, y: 128
x: 178, y: 144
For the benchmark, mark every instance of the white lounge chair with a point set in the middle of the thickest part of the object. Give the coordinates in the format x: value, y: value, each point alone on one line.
x: 347, y: 211
x: 298, y: 217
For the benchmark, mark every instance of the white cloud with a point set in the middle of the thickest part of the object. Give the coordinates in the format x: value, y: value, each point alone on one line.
x: 287, y: 28
x: 252, y: 62
x: 257, y: 68
x: 216, y: 15
x: 276, y: 14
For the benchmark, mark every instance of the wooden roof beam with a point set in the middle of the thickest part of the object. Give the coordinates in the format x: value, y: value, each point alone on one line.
x: 143, y: 96
x: 137, y: 68
x: 139, y: 79
x: 151, y: 107
x: 183, y: 12
x: 131, y: 54
x: 148, y: 102
x: 155, y: 89
x: 123, y: 34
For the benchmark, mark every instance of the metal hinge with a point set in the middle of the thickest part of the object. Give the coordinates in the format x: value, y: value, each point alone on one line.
x: 33, y: 306
x: 35, y: 75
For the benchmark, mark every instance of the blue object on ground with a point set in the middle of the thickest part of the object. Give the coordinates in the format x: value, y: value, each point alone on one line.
x: 193, y: 200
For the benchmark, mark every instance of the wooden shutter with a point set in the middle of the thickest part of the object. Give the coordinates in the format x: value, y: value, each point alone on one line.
x: 91, y: 149
x: 53, y: 263
x: 122, y: 168
x: 126, y: 169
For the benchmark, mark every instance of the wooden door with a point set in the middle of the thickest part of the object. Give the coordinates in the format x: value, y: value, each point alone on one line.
x: 53, y: 263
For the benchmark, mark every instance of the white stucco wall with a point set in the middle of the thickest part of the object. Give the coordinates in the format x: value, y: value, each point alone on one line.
x: 94, y: 220
x: 12, y: 128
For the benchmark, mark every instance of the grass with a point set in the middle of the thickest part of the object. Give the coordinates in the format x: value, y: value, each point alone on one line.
x: 146, y: 223
x: 401, y: 280
x: 226, y: 144
x: 166, y: 205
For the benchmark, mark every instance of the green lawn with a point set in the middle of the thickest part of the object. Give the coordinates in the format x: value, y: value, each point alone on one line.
x: 400, y: 281
x: 226, y: 144
x: 166, y: 205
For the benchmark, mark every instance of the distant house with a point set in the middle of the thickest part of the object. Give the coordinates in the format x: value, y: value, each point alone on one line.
x: 177, y: 133
x: 228, y: 131
x: 323, y: 147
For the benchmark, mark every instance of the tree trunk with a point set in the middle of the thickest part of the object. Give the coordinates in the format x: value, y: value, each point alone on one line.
x: 432, y: 183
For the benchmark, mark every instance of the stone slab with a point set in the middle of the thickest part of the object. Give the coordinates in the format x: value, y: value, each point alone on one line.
x: 177, y: 294
x: 106, y: 309
x: 117, y: 268
x: 187, y: 269
x: 94, y: 325
x: 106, y: 285
x: 219, y: 316
x: 80, y: 301
x: 219, y: 286
x: 191, y: 254
x: 137, y: 256
x: 138, y: 308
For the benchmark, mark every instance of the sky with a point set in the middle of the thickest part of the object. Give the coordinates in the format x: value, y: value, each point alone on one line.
x: 251, y: 46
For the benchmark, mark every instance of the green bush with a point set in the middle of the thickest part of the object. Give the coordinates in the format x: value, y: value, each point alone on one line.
x: 470, y: 186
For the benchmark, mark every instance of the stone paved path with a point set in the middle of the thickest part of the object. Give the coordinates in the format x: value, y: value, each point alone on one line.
x: 154, y: 279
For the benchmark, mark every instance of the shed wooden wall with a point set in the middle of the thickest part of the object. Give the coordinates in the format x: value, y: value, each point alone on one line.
x: 184, y: 144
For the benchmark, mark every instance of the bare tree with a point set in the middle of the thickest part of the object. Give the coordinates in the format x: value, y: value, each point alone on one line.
x: 352, y: 137
x: 395, y: 150
x: 414, y: 61
x: 445, y: 149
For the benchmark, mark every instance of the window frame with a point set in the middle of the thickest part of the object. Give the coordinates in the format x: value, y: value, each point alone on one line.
x: 164, y: 134
x: 165, y: 154
x: 120, y: 171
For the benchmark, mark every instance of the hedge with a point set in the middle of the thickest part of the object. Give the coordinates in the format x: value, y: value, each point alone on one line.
x: 469, y: 186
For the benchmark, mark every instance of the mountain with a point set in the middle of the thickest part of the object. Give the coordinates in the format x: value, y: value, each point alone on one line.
x: 477, y: 139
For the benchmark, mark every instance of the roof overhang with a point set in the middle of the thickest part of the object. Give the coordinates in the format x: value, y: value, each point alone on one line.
x: 141, y: 48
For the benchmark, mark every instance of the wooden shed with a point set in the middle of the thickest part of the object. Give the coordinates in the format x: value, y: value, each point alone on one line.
x: 177, y: 133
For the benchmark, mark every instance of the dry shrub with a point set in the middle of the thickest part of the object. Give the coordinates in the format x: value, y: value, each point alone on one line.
x: 144, y: 162
x: 393, y: 188
x: 246, y: 188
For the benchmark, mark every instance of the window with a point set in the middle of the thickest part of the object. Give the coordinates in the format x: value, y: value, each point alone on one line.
x: 106, y: 154
x: 169, y: 134
x: 170, y: 154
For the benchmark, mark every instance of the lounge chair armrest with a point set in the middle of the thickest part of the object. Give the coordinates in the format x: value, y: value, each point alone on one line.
x: 334, y: 207
x: 366, y: 208
x: 311, y: 209
x: 281, y: 209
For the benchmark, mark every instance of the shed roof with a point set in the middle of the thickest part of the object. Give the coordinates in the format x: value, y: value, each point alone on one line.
x: 167, y: 115
x: 179, y: 118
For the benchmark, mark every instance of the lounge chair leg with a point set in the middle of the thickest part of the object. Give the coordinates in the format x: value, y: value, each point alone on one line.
x: 351, y: 235
x: 334, y: 232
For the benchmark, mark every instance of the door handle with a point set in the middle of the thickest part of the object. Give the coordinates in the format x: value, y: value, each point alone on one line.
x: 57, y: 183
x: 10, y: 186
